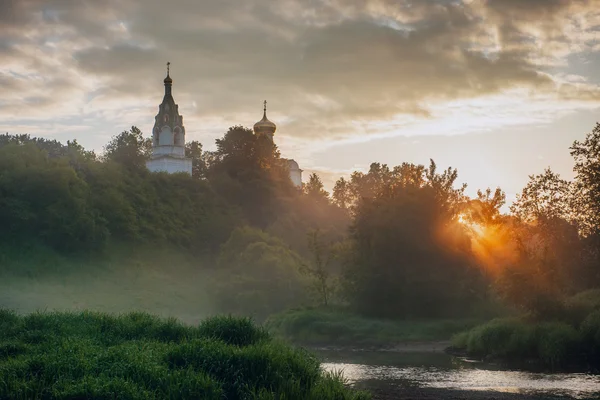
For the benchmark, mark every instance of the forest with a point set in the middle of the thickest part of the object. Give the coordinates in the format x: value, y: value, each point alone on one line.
x: 395, y: 243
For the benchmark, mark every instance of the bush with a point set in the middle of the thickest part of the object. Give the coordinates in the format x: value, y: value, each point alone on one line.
x: 139, y: 356
x: 557, y: 343
x: 500, y: 338
x: 234, y: 331
x: 553, y: 344
x: 581, y: 305
x: 590, y: 333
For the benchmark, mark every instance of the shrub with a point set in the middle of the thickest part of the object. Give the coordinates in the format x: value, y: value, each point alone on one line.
x: 557, y: 343
x: 234, y: 331
x: 590, y: 333
x: 581, y: 305
x: 554, y: 344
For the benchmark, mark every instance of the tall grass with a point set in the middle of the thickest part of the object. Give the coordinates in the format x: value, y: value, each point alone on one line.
x: 573, y: 337
x: 91, y: 355
x: 552, y: 344
x: 330, y: 326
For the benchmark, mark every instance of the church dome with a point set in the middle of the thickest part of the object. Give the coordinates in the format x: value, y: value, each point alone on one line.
x: 293, y: 165
x: 264, y: 126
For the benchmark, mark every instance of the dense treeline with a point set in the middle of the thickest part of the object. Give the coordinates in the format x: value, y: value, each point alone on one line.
x: 393, y: 242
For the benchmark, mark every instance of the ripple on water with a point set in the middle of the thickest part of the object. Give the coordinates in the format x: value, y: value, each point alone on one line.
x: 570, y: 384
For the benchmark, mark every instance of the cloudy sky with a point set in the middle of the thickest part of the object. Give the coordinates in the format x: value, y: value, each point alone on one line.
x: 497, y: 88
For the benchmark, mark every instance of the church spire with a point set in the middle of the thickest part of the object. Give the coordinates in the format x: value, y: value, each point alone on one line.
x: 168, y: 81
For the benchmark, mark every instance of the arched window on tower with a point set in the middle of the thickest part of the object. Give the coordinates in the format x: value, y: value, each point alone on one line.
x: 155, y: 136
x: 166, y: 118
x: 179, y: 138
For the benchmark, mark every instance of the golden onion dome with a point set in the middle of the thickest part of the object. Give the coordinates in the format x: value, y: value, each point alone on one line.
x: 264, y: 126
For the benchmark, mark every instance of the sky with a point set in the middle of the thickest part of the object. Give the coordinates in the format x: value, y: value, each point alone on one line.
x: 496, y: 88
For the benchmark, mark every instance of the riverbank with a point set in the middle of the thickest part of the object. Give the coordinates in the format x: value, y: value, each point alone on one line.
x: 439, y: 346
x: 335, y: 328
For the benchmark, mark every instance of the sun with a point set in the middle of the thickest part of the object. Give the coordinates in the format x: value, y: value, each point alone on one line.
x: 473, y: 227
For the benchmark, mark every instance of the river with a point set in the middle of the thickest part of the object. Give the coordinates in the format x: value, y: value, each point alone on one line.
x: 432, y: 375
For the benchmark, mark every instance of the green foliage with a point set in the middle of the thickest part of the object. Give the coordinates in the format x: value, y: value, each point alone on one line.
x: 130, y: 149
x: 578, y: 307
x: 590, y: 332
x: 342, y: 328
x: 557, y: 343
x: 401, y: 263
x: 233, y: 331
x: 193, y: 150
x: 72, y: 202
x: 247, y: 172
x: 318, y: 268
x: 138, y: 356
x: 553, y: 344
x: 257, y: 275
x: 315, y: 190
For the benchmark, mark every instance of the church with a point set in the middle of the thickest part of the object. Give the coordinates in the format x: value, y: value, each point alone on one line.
x: 168, y: 138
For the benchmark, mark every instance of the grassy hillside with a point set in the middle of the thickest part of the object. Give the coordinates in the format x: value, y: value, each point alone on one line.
x: 139, y: 356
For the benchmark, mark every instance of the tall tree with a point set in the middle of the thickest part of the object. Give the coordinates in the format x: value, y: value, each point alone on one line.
x: 315, y: 189
x: 401, y: 267
x: 318, y: 269
x: 545, y: 197
x: 587, y: 181
x: 194, y: 151
x: 129, y: 148
x: 247, y: 171
x: 342, y: 195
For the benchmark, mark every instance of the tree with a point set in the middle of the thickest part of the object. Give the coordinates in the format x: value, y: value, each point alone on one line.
x: 129, y: 149
x: 342, y: 196
x: 401, y: 266
x: 315, y: 190
x: 257, y: 275
x: 545, y: 197
x: 485, y: 209
x: 194, y: 151
x: 247, y: 171
x: 587, y: 181
x: 318, y: 269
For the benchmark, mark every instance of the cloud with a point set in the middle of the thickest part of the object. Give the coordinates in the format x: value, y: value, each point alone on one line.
x: 337, y: 69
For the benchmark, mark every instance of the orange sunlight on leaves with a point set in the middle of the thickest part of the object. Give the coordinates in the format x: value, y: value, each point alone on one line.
x: 491, y: 244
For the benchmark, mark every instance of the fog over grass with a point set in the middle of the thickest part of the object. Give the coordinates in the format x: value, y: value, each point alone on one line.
x: 159, y: 282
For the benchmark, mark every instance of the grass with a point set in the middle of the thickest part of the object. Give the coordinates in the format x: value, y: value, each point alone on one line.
x: 552, y: 344
x: 90, y: 355
x: 340, y: 328
x: 573, y: 338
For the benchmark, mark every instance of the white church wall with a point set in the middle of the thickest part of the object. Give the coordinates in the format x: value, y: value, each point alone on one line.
x: 296, y: 177
x: 176, y: 151
x: 170, y: 165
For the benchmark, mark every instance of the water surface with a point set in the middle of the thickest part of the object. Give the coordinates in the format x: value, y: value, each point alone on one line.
x: 378, y: 370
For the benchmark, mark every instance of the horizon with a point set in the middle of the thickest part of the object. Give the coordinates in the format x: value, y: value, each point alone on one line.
x: 497, y: 89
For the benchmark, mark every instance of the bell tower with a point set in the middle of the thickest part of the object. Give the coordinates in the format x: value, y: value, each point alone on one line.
x: 168, y: 136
